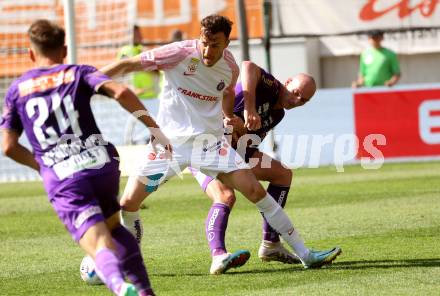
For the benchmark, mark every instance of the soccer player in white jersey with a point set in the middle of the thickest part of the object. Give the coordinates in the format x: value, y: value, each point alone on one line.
x: 270, y: 99
x: 200, y: 76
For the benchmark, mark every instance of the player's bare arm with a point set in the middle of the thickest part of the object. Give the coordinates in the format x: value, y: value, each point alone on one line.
x: 250, y: 75
x: 14, y: 150
x: 228, y: 103
x: 130, y: 102
x: 230, y: 119
x: 123, y: 66
x: 238, y: 128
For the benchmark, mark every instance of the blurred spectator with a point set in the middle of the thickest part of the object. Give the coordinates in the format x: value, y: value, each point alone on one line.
x: 176, y: 35
x: 378, y: 65
x: 146, y: 85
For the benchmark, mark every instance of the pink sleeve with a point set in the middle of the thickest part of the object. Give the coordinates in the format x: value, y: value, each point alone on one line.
x: 167, y: 56
x: 230, y: 60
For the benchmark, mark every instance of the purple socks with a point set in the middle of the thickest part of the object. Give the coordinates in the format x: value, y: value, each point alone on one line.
x: 216, y: 224
x: 107, y: 267
x: 130, y: 258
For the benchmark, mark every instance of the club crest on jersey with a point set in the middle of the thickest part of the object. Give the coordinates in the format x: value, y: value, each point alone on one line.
x: 221, y: 85
x: 192, y: 67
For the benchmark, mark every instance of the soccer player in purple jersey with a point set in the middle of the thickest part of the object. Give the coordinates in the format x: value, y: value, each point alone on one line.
x: 266, y: 99
x: 51, y: 104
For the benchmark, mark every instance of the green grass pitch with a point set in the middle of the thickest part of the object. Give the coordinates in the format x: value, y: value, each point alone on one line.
x: 387, y: 222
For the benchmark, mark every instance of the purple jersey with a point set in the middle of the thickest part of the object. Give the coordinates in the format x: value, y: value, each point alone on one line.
x: 52, y: 106
x: 266, y: 95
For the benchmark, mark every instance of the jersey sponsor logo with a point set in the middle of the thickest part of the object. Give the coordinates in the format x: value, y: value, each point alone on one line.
x: 86, y: 215
x: 221, y: 85
x: 213, y: 147
x: 197, y: 95
x: 69, y: 145
x: 43, y: 83
x: 266, y: 80
x: 93, y: 158
x: 192, y: 67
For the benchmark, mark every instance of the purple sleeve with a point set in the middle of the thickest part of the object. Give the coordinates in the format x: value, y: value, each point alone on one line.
x: 10, y: 118
x: 268, y: 83
x: 93, y: 77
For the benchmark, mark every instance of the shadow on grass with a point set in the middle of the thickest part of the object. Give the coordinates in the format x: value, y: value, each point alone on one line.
x: 236, y: 272
x: 380, y: 264
x: 343, y: 265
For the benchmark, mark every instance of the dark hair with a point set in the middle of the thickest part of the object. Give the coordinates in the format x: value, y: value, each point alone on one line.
x: 375, y: 33
x: 215, y: 23
x: 177, y: 35
x: 46, y: 36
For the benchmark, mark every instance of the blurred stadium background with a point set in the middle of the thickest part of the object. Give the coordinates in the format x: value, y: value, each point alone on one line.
x: 323, y: 38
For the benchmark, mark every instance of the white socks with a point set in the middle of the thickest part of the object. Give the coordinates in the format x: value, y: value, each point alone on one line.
x: 133, y: 223
x: 277, y: 218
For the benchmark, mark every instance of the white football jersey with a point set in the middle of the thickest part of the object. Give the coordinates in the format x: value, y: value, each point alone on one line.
x: 191, y: 102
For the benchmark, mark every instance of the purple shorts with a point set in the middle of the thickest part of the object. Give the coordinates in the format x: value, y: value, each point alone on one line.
x: 82, y: 202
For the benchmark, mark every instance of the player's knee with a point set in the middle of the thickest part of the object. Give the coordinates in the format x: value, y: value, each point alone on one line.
x: 113, y: 221
x: 129, y: 203
x: 227, y: 197
x: 256, y: 192
x: 286, y: 177
x: 281, y: 177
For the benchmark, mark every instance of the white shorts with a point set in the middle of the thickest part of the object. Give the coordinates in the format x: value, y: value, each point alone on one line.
x: 208, y: 154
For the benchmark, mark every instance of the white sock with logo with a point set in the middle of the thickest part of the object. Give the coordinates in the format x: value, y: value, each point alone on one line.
x: 277, y: 218
x: 133, y: 223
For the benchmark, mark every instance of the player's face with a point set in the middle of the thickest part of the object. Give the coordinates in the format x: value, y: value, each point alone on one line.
x: 212, y: 46
x: 296, y: 95
x: 376, y: 41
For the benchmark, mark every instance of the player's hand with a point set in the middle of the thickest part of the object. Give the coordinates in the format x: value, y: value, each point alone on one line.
x: 252, y: 120
x: 237, y: 125
x: 158, y: 138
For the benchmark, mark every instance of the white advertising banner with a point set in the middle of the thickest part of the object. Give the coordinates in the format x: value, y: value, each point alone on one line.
x: 412, y: 26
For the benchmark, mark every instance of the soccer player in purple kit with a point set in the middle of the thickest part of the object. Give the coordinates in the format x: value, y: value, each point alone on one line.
x: 266, y: 99
x: 51, y: 104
